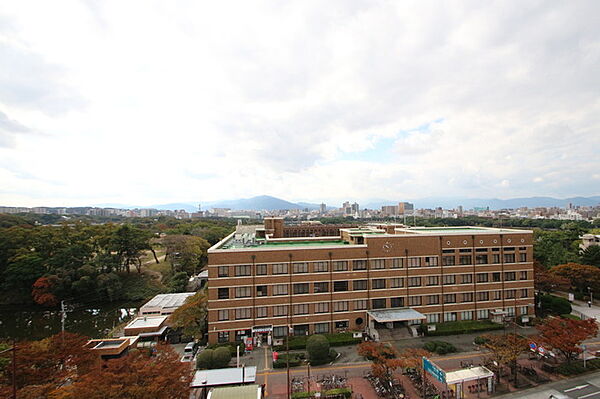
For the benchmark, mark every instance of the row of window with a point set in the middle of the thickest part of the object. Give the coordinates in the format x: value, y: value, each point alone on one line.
x: 361, y: 285
x: 361, y: 304
x: 361, y: 264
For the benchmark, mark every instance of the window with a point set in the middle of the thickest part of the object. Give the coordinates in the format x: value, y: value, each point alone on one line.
x: 321, y: 328
x: 261, y: 312
x: 280, y: 331
x: 483, y: 296
x: 497, y: 295
x: 397, y: 282
x: 301, y: 267
x: 359, y: 264
x: 495, y: 249
x: 300, y: 308
x: 450, y: 316
x: 465, y: 259
x: 322, y: 307
x: 340, y: 286
x: 320, y: 267
x: 482, y: 277
x: 378, y: 303
x: 281, y: 310
x: 522, y: 257
x: 378, y: 284
x: 523, y: 275
x: 483, y: 314
x: 223, y: 271
x: 449, y: 298
x: 261, y: 290
x: 243, y: 270
x: 431, y: 261
x: 467, y: 315
x: 300, y: 288
x: 397, y: 302
x: 449, y: 279
x: 506, y: 249
x: 223, y: 314
x: 481, y: 259
x: 466, y: 278
x: 223, y: 293
x: 280, y: 268
x: 509, y: 258
x: 280, y: 289
x: 397, y: 263
x: 465, y: 250
x: 433, y: 280
x: 360, y: 304
x: 359, y: 285
x: 523, y: 310
x: 524, y: 293
x: 448, y: 251
x: 433, y: 299
x: 340, y: 306
x: 414, y: 262
x: 321, y: 287
x: 510, y: 311
x: 495, y: 258
x: 433, y: 318
x: 481, y: 249
x: 340, y: 266
x: 223, y: 336
x: 522, y: 248
x: 414, y: 281
x: 496, y: 277
x: 243, y: 313
x: 414, y: 301
x: 378, y: 264
x: 243, y: 292
x: 510, y: 276
x: 261, y: 270
x: 511, y: 294
x: 341, y: 324
x: 467, y: 297
x: 448, y: 260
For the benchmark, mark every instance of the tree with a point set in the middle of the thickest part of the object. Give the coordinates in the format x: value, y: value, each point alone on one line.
x: 386, y: 358
x: 138, y: 375
x: 505, y: 350
x: 185, y: 252
x: 566, y: 335
x: 580, y: 276
x: 178, y: 282
x: 130, y: 243
x: 22, y: 271
x: 557, y: 247
x: 221, y: 357
x: 204, y: 360
x: 591, y: 255
x: 191, y: 316
x: 317, y: 347
x: 42, y: 292
x: 555, y: 305
x: 547, y: 281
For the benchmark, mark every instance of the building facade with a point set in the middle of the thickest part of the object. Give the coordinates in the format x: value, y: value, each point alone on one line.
x: 328, y: 284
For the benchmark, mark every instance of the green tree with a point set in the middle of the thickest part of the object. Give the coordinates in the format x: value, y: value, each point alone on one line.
x: 130, y: 243
x: 204, y: 360
x: 178, y: 282
x: 591, y: 255
x: 109, y: 286
x: 317, y: 347
x: 221, y: 357
x: 186, y: 253
x: 191, y: 316
x: 22, y: 271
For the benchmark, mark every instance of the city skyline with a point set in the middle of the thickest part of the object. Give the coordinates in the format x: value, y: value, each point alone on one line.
x: 356, y: 100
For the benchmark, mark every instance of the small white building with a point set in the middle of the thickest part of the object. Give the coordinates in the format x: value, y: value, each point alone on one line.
x: 164, y: 304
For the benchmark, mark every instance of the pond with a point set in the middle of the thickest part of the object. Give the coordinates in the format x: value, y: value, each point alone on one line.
x: 33, y: 323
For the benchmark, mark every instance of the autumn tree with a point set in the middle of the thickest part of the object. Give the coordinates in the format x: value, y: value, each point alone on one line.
x: 42, y: 292
x: 505, y: 350
x: 566, y: 335
x: 138, y: 375
x: 386, y: 359
x: 191, y: 316
x: 580, y: 276
x: 546, y: 281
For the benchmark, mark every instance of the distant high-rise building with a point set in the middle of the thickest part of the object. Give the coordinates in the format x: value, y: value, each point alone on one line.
x: 355, y: 208
x: 323, y: 208
x: 389, y: 210
x: 405, y: 208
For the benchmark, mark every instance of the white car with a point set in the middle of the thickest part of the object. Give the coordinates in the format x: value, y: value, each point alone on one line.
x: 187, y: 358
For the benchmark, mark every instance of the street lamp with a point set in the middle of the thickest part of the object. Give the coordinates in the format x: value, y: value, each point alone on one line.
x: 591, y: 296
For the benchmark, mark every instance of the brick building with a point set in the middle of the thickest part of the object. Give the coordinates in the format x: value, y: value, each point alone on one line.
x: 261, y: 282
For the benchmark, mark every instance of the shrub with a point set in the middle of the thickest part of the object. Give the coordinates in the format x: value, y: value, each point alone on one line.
x: 317, y: 347
x: 345, y: 392
x: 341, y: 339
x: 555, y: 305
x: 480, y: 340
x: 204, y: 360
x: 221, y: 357
x: 303, y: 395
x: 231, y: 346
x: 463, y: 327
x: 439, y: 347
x: 295, y: 360
x: 570, y: 368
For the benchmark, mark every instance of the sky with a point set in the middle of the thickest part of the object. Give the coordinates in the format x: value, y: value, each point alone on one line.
x: 143, y: 102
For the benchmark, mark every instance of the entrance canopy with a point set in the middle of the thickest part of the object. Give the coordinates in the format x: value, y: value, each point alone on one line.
x: 391, y: 315
x: 470, y: 374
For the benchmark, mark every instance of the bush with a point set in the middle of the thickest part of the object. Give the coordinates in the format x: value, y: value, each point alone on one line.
x: 221, y: 357
x: 204, y: 360
x: 341, y: 339
x: 571, y: 368
x: 317, y: 347
x: 345, y: 392
x: 555, y: 305
x: 463, y: 327
x: 295, y: 360
x: 231, y: 346
x: 439, y: 347
x: 303, y: 395
x: 480, y: 340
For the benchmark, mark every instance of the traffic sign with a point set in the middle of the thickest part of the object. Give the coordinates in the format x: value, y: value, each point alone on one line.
x: 434, y: 370
x: 532, y: 346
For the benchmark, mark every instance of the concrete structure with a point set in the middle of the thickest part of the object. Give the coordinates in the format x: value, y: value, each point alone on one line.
x: 587, y: 240
x: 111, y: 348
x: 146, y: 326
x: 263, y: 284
x: 164, y: 304
x: 241, y: 392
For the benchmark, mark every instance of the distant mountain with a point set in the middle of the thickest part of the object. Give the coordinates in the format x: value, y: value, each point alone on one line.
x: 262, y: 202
x: 493, y: 203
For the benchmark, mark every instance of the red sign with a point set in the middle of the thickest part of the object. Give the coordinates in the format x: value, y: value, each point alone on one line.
x: 275, y: 356
x: 248, y: 342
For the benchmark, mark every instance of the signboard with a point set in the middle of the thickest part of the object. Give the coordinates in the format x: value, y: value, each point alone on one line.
x: 571, y: 297
x: 248, y: 342
x: 541, y: 350
x: 533, y: 346
x: 434, y: 370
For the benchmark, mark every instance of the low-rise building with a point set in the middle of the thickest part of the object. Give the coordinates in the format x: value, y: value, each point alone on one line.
x: 164, y: 304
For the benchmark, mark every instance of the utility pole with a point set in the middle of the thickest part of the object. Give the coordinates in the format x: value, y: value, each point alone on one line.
x: 63, y: 316
x: 14, y: 368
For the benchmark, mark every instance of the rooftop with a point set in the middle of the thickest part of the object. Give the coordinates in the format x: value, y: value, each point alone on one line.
x: 456, y: 230
x: 168, y: 300
x: 239, y: 392
x: 147, y: 321
x: 227, y: 376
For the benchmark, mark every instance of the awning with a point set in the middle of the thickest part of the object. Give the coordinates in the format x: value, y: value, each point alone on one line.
x: 226, y: 376
x: 390, y: 315
x: 470, y: 374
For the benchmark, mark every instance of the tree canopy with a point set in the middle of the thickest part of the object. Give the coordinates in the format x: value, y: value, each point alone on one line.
x: 566, y: 335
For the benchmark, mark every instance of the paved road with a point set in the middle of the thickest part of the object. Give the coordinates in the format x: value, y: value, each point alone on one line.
x: 586, y: 387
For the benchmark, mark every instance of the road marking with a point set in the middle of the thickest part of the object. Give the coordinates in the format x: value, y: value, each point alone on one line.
x: 266, y: 360
x: 266, y: 390
x: 576, y: 388
x: 588, y: 395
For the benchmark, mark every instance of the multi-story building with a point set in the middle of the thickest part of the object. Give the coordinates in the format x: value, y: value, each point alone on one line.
x: 262, y: 281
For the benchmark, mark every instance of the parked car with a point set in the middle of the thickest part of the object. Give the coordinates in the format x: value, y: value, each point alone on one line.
x: 186, y: 358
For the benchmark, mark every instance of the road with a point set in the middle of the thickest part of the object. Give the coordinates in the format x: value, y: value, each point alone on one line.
x: 586, y: 387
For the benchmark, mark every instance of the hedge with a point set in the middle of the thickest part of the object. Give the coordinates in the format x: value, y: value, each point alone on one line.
x: 463, y: 327
x: 232, y: 347
x: 439, y: 347
x: 296, y: 360
x: 345, y: 392
x: 555, y: 305
x: 576, y: 367
x: 341, y: 339
x: 303, y: 395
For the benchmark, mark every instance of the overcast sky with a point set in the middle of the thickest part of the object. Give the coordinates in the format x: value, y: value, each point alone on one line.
x: 153, y: 102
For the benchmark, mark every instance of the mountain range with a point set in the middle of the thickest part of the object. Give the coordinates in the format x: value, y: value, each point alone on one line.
x: 266, y: 202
